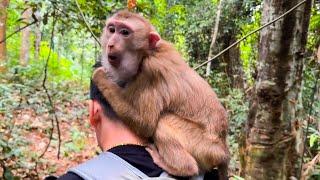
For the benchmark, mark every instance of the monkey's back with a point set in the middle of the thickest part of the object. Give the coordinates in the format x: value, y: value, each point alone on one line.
x: 182, y: 91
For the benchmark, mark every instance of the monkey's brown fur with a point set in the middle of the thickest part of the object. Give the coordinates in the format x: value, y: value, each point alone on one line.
x: 170, y: 102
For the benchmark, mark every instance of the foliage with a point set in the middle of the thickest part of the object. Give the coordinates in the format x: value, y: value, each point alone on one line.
x: 314, y: 28
x: 237, y: 112
x: 168, y: 19
x: 311, y: 76
x: 198, y: 29
x: 248, y: 48
x: 24, y: 108
x: 77, y: 142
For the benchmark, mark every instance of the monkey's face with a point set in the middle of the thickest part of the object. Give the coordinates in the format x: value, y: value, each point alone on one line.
x: 123, y: 44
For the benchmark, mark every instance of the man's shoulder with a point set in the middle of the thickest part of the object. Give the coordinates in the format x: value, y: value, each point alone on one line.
x: 107, y: 166
x: 104, y: 166
x: 110, y: 166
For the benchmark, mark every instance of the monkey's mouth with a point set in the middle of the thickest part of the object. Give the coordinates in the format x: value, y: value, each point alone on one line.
x: 114, y: 60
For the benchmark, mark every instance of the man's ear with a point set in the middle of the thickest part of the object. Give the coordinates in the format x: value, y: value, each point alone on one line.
x: 94, y: 108
x: 154, y: 38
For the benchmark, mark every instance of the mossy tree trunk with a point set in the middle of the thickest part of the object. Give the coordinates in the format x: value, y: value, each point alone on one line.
x: 271, y: 137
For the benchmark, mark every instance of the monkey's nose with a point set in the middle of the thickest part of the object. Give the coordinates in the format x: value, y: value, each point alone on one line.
x: 110, y: 46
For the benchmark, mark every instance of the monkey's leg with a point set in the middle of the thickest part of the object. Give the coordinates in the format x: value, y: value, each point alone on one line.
x: 176, y: 160
x: 213, y: 154
x: 209, y: 150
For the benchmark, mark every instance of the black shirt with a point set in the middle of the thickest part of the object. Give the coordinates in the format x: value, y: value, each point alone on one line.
x: 138, y: 157
x: 135, y: 155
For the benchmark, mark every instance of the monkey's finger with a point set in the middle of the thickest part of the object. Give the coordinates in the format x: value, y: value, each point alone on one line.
x: 101, y: 69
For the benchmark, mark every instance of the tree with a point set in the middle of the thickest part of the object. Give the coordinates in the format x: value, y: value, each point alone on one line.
x: 3, y: 18
x: 214, y: 37
x: 231, y: 29
x: 270, y: 132
x: 37, y: 40
x: 25, y: 40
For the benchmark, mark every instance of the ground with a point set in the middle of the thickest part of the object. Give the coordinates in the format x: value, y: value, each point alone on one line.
x: 28, y: 136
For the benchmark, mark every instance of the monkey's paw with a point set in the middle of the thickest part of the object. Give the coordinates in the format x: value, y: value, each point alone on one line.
x: 152, y: 150
x: 190, y: 168
x: 99, y: 75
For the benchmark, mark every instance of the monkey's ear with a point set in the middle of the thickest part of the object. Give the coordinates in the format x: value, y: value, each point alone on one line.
x: 154, y: 38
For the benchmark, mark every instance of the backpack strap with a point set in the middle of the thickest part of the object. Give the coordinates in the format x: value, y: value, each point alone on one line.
x: 107, y: 166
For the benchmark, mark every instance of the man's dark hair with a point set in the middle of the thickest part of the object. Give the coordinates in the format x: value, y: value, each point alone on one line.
x: 95, y: 94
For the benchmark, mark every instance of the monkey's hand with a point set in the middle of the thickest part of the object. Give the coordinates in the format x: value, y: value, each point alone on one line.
x: 113, y: 93
x: 100, y: 78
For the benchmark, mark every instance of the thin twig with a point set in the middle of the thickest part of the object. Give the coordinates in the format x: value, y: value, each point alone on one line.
x: 87, y: 24
x: 18, y: 30
x: 249, y: 34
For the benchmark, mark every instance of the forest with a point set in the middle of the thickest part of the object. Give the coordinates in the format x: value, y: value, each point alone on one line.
x: 261, y: 57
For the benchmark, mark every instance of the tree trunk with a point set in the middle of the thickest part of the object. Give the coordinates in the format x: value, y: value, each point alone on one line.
x: 214, y: 37
x: 271, y: 138
x: 25, y: 39
x: 233, y: 61
x: 37, y: 40
x: 231, y: 58
x: 3, y: 18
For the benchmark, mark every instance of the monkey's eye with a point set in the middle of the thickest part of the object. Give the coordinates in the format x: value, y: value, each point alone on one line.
x: 124, y: 32
x: 111, y: 29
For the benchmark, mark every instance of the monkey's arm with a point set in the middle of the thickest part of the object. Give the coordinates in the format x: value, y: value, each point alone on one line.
x: 143, y: 120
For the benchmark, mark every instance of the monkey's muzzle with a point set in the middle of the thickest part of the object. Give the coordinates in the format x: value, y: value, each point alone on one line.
x: 114, y: 60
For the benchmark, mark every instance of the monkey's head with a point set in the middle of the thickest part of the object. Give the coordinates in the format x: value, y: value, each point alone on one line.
x: 126, y: 40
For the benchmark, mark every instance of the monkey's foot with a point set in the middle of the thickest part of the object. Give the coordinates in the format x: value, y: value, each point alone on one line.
x: 153, y: 151
x: 190, y: 169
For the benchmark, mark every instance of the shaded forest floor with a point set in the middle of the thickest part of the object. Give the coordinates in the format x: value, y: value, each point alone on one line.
x: 27, y: 128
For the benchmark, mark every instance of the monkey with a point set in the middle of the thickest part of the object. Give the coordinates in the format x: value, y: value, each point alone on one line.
x: 151, y: 87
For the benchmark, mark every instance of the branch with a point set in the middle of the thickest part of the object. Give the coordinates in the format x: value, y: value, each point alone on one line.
x: 18, y: 30
x: 49, y: 97
x: 214, y: 37
x: 249, y: 34
x: 84, y: 19
x: 50, y: 101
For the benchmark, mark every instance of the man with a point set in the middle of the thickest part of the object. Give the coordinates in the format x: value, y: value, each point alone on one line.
x: 114, y: 137
x: 121, y: 148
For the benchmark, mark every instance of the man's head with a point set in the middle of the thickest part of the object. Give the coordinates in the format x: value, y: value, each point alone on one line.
x: 109, y: 128
x: 96, y: 95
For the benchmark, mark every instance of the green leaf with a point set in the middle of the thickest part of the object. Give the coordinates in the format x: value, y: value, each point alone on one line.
x: 313, y: 139
x: 237, y: 178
